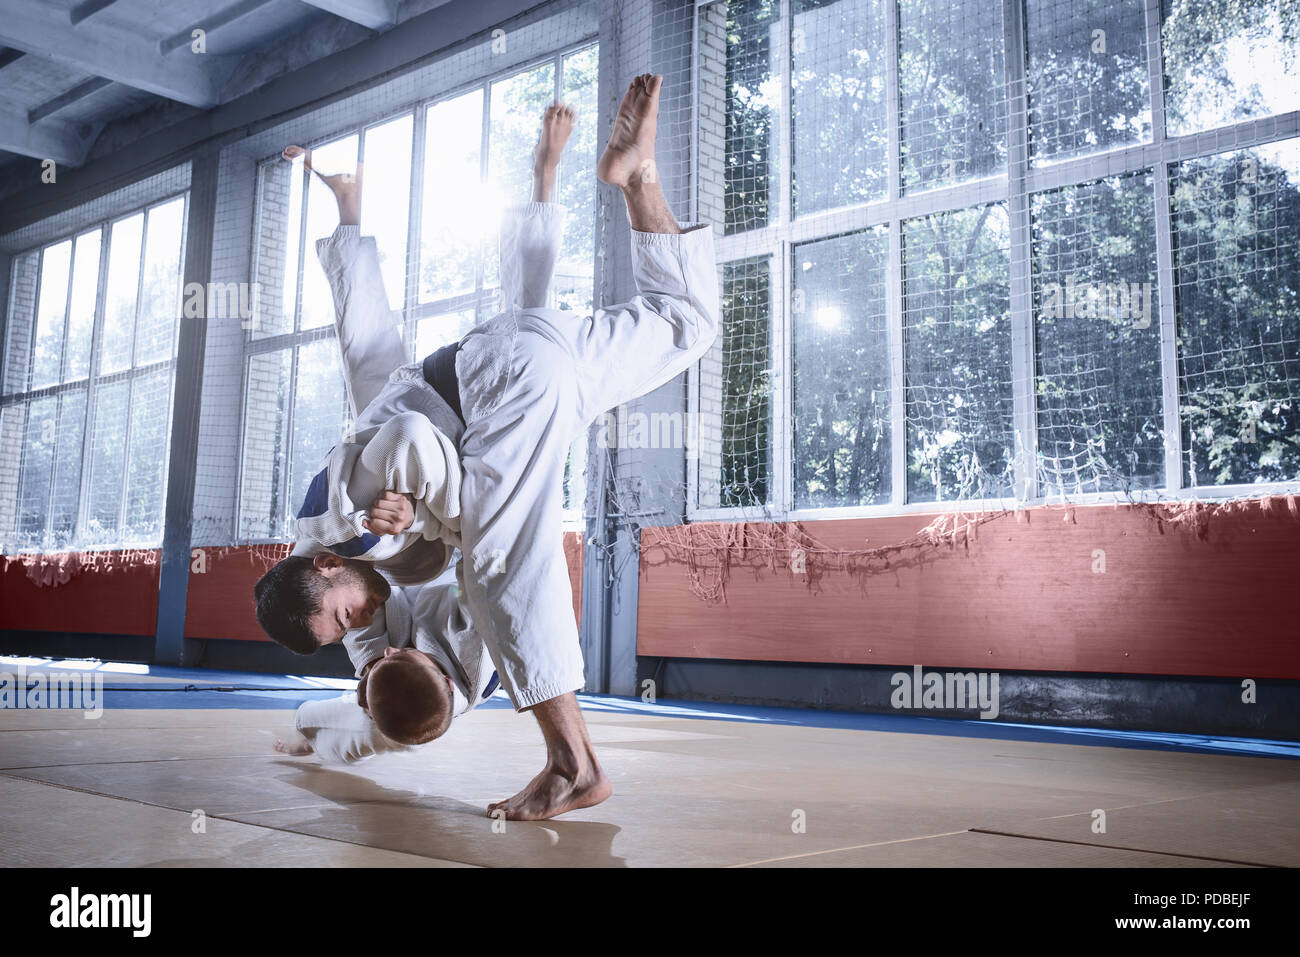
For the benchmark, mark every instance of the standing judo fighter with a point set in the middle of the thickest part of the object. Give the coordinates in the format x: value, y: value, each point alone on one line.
x: 529, y: 381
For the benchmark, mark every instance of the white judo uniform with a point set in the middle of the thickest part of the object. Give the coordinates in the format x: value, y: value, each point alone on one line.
x: 531, y: 380
x: 430, y: 618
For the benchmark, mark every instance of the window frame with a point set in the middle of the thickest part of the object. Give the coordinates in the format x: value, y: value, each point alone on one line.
x: 1021, y: 180
x: 413, y: 311
x: 94, y: 380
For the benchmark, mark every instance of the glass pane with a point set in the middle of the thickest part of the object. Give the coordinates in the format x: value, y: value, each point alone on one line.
x: 20, y: 318
x: 1088, y: 82
x: 842, y: 448
x: 1225, y: 63
x: 735, y: 440
x: 453, y: 225
x: 278, y: 246
x: 957, y: 355
x: 319, y: 417
x: 1237, y: 282
x: 951, y: 91
x: 50, y: 314
x: 266, y: 444
x: 841, y: 124
x: 160, y: 293
x: 573, y: 285
x: 146, y: 477
x: 516, y: 117
x: 67, y: 468
x: 434, y: 332
x: 740, y: 104
x: 339, y: 156
x: 108, y: 456
x: 120, y: 297
x: 1099, y: 392
x: 38, y: 463
x: 386, y: 200
x: 85, y: 296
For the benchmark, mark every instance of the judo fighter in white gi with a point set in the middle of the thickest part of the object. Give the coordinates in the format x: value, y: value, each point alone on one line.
x: 508, y: 400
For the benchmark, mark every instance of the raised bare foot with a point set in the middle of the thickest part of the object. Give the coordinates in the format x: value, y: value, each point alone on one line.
x: 630, y: 153
x: 346, y: 187
x: 298, y: 745
x: 553, y: 792
x: 557, y: 124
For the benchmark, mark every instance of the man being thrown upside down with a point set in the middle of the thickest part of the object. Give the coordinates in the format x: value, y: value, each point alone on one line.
x: 466, y: 449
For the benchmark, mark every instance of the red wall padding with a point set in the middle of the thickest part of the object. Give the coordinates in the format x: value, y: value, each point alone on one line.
x: 1022, y: 597
x: 109, y: 598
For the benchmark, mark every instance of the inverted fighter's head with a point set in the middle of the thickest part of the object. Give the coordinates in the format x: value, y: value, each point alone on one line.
x: 408, y: 696
x: 303, y: 603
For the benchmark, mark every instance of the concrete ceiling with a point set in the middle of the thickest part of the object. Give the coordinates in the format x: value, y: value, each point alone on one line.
x: 70, y: 68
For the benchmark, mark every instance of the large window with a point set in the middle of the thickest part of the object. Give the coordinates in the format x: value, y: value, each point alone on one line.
x: 996, y: 252
x: 435, y: 181
x: 86, y: 400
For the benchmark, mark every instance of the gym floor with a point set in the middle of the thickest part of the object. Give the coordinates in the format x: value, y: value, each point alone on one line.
x: 179, y: 768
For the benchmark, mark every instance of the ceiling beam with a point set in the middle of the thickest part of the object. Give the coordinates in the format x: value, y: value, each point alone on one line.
x: 51, y: 140
x: 87, y: 9
x: 210, y: 24
x: 78, y: 92
x: 375, y: 14
x: 106, y: 51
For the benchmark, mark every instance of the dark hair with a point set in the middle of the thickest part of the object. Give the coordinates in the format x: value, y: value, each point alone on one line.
x: 408, y: 700
x: 287, y: 596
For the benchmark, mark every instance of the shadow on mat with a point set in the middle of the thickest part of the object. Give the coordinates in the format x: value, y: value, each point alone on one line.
x: 435, y: 825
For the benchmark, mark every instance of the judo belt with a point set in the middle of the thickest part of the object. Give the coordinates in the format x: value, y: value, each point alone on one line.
x: 440, y: 372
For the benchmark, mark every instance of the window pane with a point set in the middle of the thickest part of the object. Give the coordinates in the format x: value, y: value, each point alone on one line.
x: 120, y: 298
x: 147, y: 466
x: 516, y: 117
x: 108, y: 456
x: 740, y: 101
x: 319, y: 417
x: 37, y: 469
x: 279, y: 218
x: 736, y: 392
x: 957, y: 349
x: 339, y: 156
x: 55, y: 262
x: 434, y: 332
x: 1099, y: 392
x: 1225, y: 63
x: 573, y: 286
x: 1087, y: 78
x: 841, y: 371
x: 67, y: 468
x: 85, y: 296
x: 161, y: 290
x: 454, y: 223
x: 840, y: 121
x: 951, y: 91
x: 266, y: 444
x: 18, y: 325
x: 386, y: 200
x: 1237, y: 281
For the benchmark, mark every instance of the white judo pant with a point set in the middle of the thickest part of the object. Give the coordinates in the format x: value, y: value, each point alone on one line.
x: 564, y: 370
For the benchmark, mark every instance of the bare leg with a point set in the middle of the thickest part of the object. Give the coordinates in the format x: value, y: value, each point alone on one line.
x: 295, y: 745
x: 629, y: 158
x: 572, y: 778
x: 557, y: 124
x: 346, y: 187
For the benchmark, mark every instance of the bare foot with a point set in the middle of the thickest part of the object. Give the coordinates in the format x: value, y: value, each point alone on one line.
x: 299, y: 745
x: 630, y: 153
x: 557, y: 124
x: 346, y: 187
x: 553, y: 792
